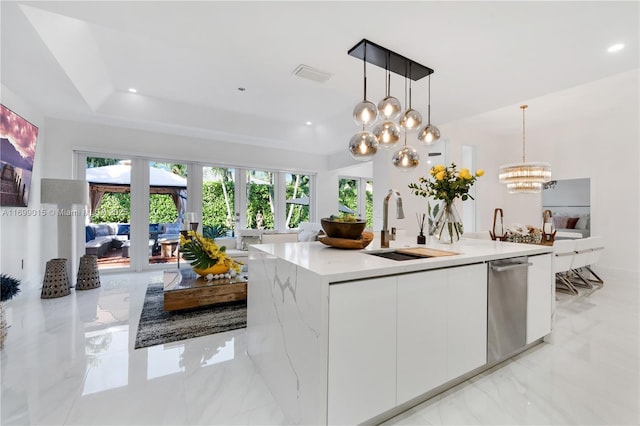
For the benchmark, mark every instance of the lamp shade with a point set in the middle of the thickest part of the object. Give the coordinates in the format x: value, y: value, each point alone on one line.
x: 429, y: 134
x: 406, y: 159
x: 64, y: 191
x: 388, y: 134
x: 411, y: 120
x: 363, y: 146
x: 390, y: 107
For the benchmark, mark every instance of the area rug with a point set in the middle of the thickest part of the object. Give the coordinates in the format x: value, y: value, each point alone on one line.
x: 158, y: 326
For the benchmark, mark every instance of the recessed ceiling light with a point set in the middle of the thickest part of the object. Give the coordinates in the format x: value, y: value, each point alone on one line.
x: 309, y: 123
x: 615, y: 48
x: 132, y: 90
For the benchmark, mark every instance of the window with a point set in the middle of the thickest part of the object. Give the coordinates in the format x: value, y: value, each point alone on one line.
x: 225, y: 198
x: 298, y: 199
x: 218, y: 200
x: 260, y: 199
x: 355, y: 196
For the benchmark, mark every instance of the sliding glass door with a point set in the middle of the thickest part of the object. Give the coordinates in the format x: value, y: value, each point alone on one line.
x: 167, y: 205
x: 107, y: 229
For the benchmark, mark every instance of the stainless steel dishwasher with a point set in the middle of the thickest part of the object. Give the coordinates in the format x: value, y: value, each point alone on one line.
x: 507, y: 309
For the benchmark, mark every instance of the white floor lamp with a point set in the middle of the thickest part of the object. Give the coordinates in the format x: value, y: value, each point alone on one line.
x: 65, y: 193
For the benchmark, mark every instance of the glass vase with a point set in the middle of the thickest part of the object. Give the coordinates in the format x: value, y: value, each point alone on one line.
x: 448, y: 228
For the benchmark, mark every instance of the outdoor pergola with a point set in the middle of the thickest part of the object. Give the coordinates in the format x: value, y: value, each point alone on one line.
x: 117, y: 179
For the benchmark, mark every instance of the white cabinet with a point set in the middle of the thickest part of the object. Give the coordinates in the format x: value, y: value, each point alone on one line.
x: 422, y: 333
x: 540, y: 290
x: 362, y: 350
x: 466, y: 319
x: 442, y: 327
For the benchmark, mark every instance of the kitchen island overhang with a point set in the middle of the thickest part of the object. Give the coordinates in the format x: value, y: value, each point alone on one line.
x: 290, y: 314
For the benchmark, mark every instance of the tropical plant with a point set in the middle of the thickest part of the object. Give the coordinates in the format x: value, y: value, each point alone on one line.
x: 348, y: 193
x: 214, y: 231
x: 100, y: 162
x: 9, y: 287
x: 203, y: 252
x: 215, y: 210
x: 114, y: 207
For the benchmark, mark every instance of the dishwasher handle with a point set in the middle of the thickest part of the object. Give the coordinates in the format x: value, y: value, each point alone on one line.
x: 510, y: 267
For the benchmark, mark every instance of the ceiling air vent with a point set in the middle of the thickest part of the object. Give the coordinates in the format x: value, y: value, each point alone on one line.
x: 310, y: 73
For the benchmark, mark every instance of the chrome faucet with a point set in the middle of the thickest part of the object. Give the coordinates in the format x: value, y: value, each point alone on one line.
x: 384, y: 237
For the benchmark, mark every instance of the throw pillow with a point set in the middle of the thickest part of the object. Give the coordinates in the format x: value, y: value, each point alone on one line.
x: 560, y: 222
x: 571, y: 222
x: 89, y: 233
x: 123, y: 228
x: 583, y: 222
x: 102, y: 230
x: 171, y: 228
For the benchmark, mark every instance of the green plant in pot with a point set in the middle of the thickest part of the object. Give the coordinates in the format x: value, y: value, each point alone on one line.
x: 8, y: 289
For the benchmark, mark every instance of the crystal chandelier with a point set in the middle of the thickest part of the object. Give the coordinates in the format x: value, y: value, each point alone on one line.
x: 524, y: 177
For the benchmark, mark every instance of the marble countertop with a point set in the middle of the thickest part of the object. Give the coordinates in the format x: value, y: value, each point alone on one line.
x: 343, y: 265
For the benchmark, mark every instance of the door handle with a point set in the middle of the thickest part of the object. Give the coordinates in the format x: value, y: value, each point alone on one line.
x: 511, y: 266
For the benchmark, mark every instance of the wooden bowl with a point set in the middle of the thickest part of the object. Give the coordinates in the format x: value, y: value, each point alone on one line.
x: 348, y: 230
x: 343, y: 243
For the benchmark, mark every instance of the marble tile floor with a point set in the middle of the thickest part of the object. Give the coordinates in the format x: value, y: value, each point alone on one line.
x: 70, y: 361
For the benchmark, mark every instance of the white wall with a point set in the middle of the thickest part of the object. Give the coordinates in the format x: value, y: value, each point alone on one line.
x: 586, y: 131
x: 65, y: 136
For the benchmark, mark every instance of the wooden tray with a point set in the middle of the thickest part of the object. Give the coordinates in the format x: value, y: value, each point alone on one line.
x: 344, y: 243
x: 426, y: 252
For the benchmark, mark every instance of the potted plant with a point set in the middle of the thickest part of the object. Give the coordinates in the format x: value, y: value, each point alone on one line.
x: 8, y: 289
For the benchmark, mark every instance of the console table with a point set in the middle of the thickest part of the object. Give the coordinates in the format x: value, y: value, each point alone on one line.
x: 184, y: 289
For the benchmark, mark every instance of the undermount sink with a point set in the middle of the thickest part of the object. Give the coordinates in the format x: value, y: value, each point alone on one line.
x: 394, y: 255
x: 412, y: 253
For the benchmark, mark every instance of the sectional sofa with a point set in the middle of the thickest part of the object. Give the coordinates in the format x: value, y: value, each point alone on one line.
x: 100, y: 238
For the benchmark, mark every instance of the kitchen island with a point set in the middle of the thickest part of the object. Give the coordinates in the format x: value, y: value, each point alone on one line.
x: 346, y: 337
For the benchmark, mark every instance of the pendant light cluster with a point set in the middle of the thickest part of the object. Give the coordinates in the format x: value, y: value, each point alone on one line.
x: 524, y: 177
x: 387, y: 120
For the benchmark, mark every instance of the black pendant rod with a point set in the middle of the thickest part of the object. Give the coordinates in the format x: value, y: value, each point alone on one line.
x: 429, y: 104
x: 364, y: 97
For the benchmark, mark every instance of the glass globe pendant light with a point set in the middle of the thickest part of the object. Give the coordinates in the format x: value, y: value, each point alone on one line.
x: 411, y: 119
x: 429, y: 134
x: 365, y: 112
x: 387, y: 133
x: 389, y: 107
x: 363, y: 145
x: 406, y: 158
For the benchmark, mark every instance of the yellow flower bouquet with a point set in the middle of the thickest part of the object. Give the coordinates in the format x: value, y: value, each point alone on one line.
x: 446, y: 184
x: 205, y: 255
